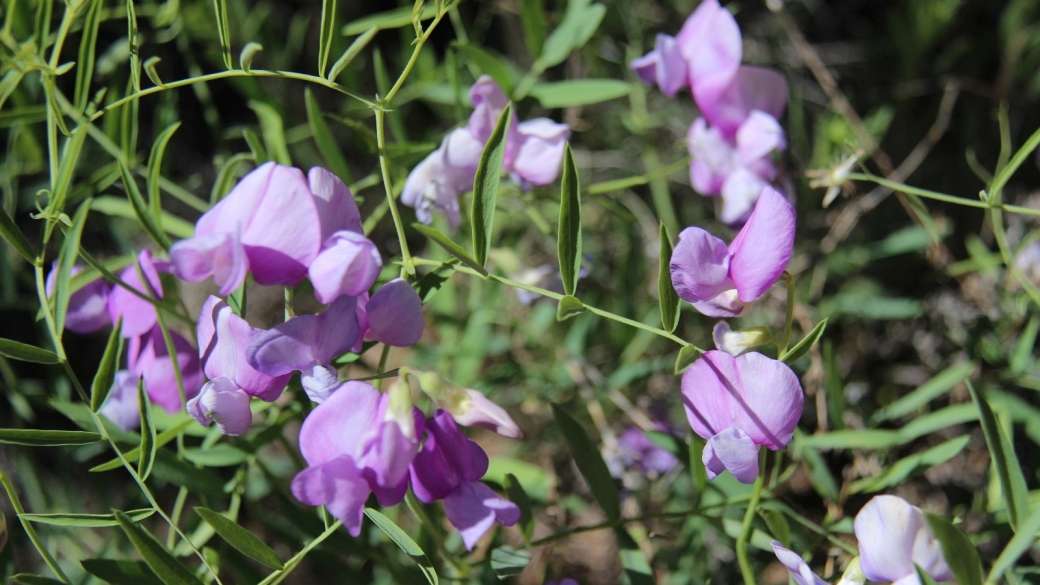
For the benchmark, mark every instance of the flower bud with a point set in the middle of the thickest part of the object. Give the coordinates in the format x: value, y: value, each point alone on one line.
x: 399, y: 407
x: 468, y: 407
x: 737, y: 342
x: 224, y: 403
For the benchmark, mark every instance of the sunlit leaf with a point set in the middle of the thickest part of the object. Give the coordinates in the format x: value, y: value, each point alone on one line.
x: 240, y: 538
x: 485, y: 187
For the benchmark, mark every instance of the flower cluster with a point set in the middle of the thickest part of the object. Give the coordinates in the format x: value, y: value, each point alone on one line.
x: 894, y: 538
x: 534, y: 150
x: 731, y: 144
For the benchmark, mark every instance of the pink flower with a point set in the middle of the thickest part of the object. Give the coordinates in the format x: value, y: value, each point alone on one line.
x: 88, y: 306
x: 799, y: 569
x: 393, y: 315
x: 138, y: 314
x: 149, y: 357
x: 719, y: 280
x: 739, y: 404
x: 893, y: 537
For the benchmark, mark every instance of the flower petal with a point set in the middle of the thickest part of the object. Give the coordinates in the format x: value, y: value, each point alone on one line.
x: 762, y: 249
x: 348, y: 264
x: 122, y: 406
x: 342, y: 425
x: 732, y: 450
x: 224, y: 341
x: 224, y: 403
x: 473, y: 508
x: 740, y: 191
x: 759, y: 135
x: 708, y: 402
x: 770, y: 400
x: 711, y: 43
x: 337, y: 209
x: 699, y: 266
x: 800, y: 571
x: 538, y: 151
x: 727, y: 100
x: 154, y: 363
x: 395, y: 315
x: 481, y: 412
x: 338, y: 486
x: 219, y: 255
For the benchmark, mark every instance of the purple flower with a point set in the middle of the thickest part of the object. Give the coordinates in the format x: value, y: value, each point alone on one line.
x: 122, y: 406
x: 308, y: 344
x: 664, y: 66
x: 717, y: 279
x: 149, y: 358
x: 138, y: 314
x: 637, y: 450
x: 800, y: 571
x: 893, y: 537
x: 393, y: 315
x: 449, y: 468
x: 534, y: 150
x: 224, y: 403
x: 272, y: 223
x: 348, y: 264
x: 737, y: 342
x: 469, y: 408
x: 739, y: 404
x: 357, y: 442
x: 88, y: 306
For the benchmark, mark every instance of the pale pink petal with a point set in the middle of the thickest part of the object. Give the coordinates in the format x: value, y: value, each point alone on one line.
x: 759, y: 135
x: 224, y: 403
x: 395, y: 314
x: 338, y: 486
x: 708, y: 401
x: 762, y: 249
x: 710, y: 41
x: 481, y: 412
x: 342, y: 425
x: 713, y: 158
x: 224, y: 339
x: 699, y: 266
x: 219, y: 255
x: 122, y: 406
x: 770, y: 400
x: 723, y: 306
x: 347, y: 265
x: 732, y: 450
x: 886, y: 529
x: 336, y: 207
x: 740, y: 191
x: 799, y: 569
x: 539, y: 150
x: 488, y: 102
x: 473, y: 508
x: 727, y: 101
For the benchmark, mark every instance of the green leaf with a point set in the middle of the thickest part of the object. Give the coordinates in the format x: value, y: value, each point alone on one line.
x: 687, y: 355
x: 958, y: 550
x: 146, y: 457
x: 489, y: 64
x: 67, y: 169
x: 106, y: 374
x: 634, y: 562
x: 941, y: 383
x: 170, y: 469
x: 508, y: 562
x: 568, y: 243
x: 85, y: 520
x: 118, y: 207
x: 1021, y: 358
x: 666, y: 295
x: 485, y: 187
x: 324, y: 141
x: 141, y: 209
x: 273, y: 131
x: 352, y: 52
x: 245, y: 58
x: 923, y: 576
x: 256, y: 146
x: 163, y: 438
x: 578, y: 92
x: 223, y: 32
x: 222, y: 455
x: 451, y: 247
x: 387, y: 20
x: 328, y: 27
x: 226, y: 176
x: 895, y: 473
x: 405, y: 542
x: 802, y: 347
x: 155, y: 158
x: 819, y: 474
x: 1009, y: 472
x: 43, y: 438
x: 535, y: 480
x: 15, y: 237
x: 26, y: 353
x: 579, y: 23
x: 87, y: 55
x: 590, y: 463
x: 241, y: 539
x: 568, y: 307
x: 1023, y: 540
x: 777, y: 524
x: 532, y: 14
x: 121, y: 572
x: 162, y: 563
x: 66, y: 260
x: 30, y: 579
x: 518, y: 496
x: 698, y: 472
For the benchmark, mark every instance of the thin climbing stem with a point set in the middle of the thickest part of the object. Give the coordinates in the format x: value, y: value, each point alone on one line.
x: 789, y: 317
x: 384, y: 165
x: 749, y: 516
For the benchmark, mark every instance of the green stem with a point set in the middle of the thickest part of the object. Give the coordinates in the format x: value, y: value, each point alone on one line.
x: 789, y: 317
x: 749, y: 516
x: 175, y: 516
x: 30, y: 531
x: 435, y: 534
x: 419, y: 42
x: 381, y: 368
x: 384, y: 165
x: 895, y: 186
x: 277, y: 576
x: 289, y: 312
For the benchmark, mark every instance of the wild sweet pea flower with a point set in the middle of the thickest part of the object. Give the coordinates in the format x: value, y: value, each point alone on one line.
x: 149, y: 357
x: 88, y: 306
x: 638, y: 451
x: 272, y: 223
x: 308, y: 344
x: 534, y: 150
x: 739, y: 404
x: 469, y: 408
x: 449, y: 468
x: 224, y: 338
x: 138, y: 314
x: 719, y: 280
x: 737, y: 342
x: 357, y: 442
x: 393, y: 315
x: 893, y: 537
x: 122, y: 406
x: 800, y: 571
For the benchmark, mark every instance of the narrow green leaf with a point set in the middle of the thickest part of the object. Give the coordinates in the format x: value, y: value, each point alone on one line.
x: 241, y: 539
x: 222, y: 455
x: 106, y: 374
x: 324, y: 140
x: 578, y: 92
x: 245, y: 58
x: 489, y: 64
x: 162, y: 439
x: 568, y: 307
x: 67, y: 169
x: 352, y: 52
x: 405, y: 542
x: 508, y: 562
x: 135, y: 46
x: 777, y: 524
x: 579, y: 23
x: 154, y: 171
x: 687, y: 355
x: 941, y: 383
x: 568, y: 243
x: 923, y: 576
x: 119, y: 207
x: 66, y: 260
x: 589, y: 462
x: 1016, y: 547
x: 147, y: 456
x: 802, y: 347
x: 633, y: 561
x: 162, y: 563
x: 227, y: 175
x: 144, y: 214
x: 14, y: 236
x: 43, y: 438
x: 256, y: 146
x: 697, y: 470
x: 485, y: 187
x: 85, y: 520
x: 26, y: 353
x: 3, y: 531
x: 151, y: 71
x: 666, y: 295
x: 87, y: 55
x: 897, y: 472
x: 328, y: 27
x: 123, y: 572
x: 1009, y: 472
x: 387, y: 20
x: 958, y: 550
x: 223, y: 31
x: 518, y: 496
x: 1023, y: 354
x: 451, y: 247
x: 30, y: 579
x: 532, y: 15
x: 273, y: 131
